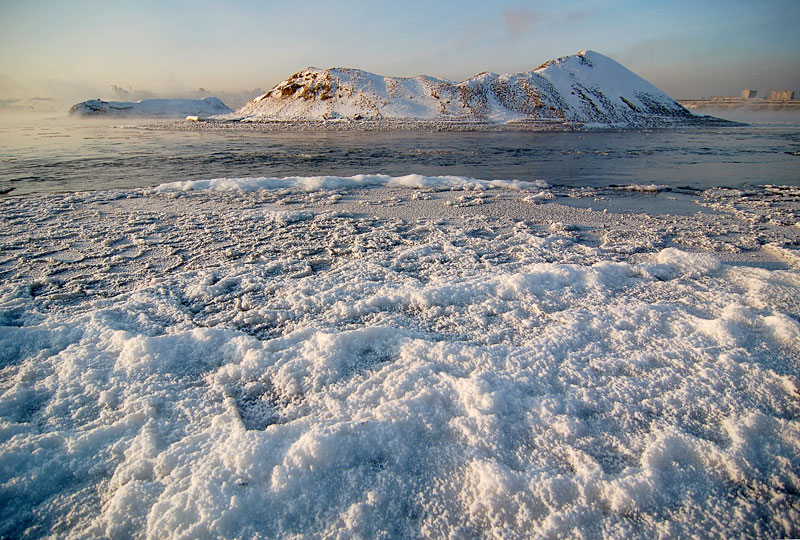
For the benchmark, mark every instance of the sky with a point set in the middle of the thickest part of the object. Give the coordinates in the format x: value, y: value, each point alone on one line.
x: 82, y: 49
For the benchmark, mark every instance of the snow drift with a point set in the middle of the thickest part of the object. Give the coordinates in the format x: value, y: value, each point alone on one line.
x: 586, y: 88
x: 162, y: 108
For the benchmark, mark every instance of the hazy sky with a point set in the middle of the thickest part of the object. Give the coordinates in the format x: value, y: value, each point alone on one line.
x: 77, y: 49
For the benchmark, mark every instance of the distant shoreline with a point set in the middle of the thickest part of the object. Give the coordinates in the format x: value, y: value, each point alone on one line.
x: 739, y: 103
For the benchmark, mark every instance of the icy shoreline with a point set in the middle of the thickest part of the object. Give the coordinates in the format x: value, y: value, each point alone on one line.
x: 399, y: 361
x: 272, y: 126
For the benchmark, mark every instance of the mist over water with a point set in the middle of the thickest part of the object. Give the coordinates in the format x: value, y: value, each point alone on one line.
x: 40, y: 155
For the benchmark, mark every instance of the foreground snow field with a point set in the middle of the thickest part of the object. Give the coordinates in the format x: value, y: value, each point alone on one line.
x: 378, y: 357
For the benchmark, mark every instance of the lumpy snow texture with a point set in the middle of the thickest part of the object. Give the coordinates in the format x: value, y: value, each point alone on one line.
x: 240, y: 371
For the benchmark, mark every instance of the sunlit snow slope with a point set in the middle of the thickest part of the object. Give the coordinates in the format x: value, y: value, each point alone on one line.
x: 586, y: 88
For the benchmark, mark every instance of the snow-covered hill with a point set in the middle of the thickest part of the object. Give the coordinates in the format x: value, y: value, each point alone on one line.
x: 163, y: 108
x: 587, y: 88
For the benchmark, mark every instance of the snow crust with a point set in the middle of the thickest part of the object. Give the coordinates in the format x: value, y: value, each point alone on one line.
x: 159, y: 108
x: 588, y: 88
x: 219, y: 360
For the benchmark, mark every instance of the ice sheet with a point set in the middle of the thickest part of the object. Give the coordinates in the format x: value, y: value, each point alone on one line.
x: 394, y: 362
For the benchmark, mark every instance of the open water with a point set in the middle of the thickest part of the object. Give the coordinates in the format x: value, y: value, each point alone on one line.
x: 53, y: 155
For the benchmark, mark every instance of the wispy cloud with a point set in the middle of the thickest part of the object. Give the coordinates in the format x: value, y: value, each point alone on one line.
x: 520, y: 20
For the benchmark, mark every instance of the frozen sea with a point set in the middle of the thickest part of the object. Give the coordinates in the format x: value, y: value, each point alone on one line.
x: 236, y: 334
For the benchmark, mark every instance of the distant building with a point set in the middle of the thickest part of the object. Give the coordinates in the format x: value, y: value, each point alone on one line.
x: 749, y: 94
x: 781, y: 95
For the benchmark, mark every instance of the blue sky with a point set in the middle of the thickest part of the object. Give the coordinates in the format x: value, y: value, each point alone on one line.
x: 688, y: 48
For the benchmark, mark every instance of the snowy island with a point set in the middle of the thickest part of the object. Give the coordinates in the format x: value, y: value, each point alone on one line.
x: 585, y: 90
x: 158, y: 108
